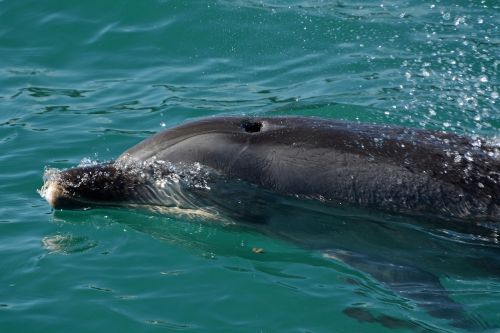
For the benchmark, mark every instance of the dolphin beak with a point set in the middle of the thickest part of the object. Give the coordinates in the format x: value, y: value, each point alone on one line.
x: 51, y: 191
x: 57, y: 198
x: 54, y: 192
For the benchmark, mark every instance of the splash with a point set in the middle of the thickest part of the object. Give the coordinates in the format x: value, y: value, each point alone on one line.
x: 152, y: 184
x: 51, y: 176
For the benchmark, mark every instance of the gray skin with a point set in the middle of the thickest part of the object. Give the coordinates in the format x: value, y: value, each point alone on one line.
x: 385, y: 167
x: 249, y: 160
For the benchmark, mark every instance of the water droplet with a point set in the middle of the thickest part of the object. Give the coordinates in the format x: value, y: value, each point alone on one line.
x: 483, y: 78
x: 459, y: 20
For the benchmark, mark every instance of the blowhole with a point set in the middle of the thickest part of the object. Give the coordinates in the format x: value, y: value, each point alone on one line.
x: 251, y: 126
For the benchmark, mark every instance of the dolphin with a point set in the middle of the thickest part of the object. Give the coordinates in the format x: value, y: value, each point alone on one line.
x: 390, y: 168
x: 232, y: 168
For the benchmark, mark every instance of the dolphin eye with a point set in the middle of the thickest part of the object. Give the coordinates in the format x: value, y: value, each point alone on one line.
x: 251, y: 126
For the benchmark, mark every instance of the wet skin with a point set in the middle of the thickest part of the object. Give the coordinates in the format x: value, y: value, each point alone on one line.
x: 384, y: 167
x: 233, y: 166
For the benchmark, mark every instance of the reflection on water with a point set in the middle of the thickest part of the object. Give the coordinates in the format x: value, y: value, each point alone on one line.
x: 67, y: 243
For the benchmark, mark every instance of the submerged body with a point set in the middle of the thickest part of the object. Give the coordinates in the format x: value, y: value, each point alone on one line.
x: 385, y: 167
x: 235, y: 168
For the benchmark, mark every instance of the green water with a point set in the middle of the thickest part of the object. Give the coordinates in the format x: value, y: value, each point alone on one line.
x: 88, y: 79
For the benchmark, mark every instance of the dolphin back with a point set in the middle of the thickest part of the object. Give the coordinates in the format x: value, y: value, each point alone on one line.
x: 388, y: 167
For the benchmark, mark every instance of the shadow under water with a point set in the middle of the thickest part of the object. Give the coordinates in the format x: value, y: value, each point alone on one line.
x: 407, y: 256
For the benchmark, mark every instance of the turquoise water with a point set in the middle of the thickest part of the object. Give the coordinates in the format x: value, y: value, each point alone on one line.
x: 84, y: 80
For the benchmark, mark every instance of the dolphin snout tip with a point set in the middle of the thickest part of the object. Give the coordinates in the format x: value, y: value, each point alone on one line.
x: 51, y: 191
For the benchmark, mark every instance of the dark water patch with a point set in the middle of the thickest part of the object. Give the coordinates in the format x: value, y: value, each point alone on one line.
x: 275, y: 99
x: 372, y: 76
x: 39, y: 129
x: 238, y: 269
x: 27, y: 71
x: 60, y: 161
x: 7, y: 139
x: 12, y: 122
x: 55, y: 108
x: 100, y: 288
x: 17, y: 123
x: 131, y: 105
x: 179, y: 88
x: 264, y: 91
x: 363, y: 315
x: 41, y: 92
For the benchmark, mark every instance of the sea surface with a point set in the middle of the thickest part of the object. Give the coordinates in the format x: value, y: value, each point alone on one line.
x: 81, y: 81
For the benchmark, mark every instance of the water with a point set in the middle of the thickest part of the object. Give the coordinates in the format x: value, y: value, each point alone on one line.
x: 86, y: 80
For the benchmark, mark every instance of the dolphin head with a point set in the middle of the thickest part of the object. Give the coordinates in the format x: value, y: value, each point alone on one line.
x: 126, y: 182
x: 87, y: 186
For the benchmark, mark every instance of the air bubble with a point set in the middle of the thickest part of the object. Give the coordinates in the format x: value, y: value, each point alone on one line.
x: 483, y: 79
